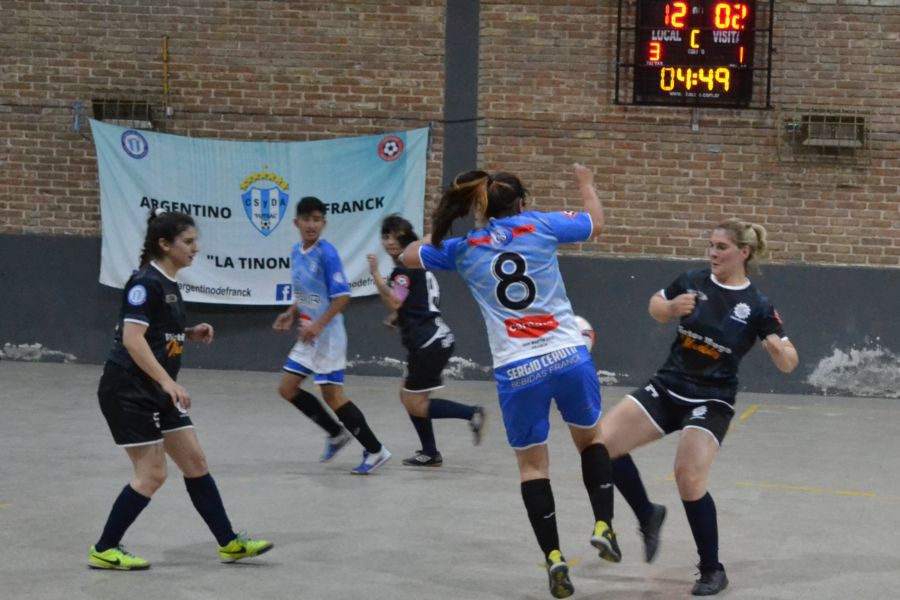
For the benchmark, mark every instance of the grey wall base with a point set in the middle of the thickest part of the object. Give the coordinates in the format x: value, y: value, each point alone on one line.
x: 49, y: 295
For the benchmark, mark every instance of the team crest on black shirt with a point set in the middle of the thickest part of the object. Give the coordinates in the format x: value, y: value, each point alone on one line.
x: 741, y: 312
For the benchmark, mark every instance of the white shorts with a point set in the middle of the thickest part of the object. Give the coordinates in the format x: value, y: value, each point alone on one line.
x: 326, y: 354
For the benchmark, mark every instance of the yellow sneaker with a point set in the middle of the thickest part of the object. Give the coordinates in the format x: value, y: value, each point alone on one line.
x: 116, y: 558
x: 243, y: 547
x: 604, y: 540
x: 558, y: 570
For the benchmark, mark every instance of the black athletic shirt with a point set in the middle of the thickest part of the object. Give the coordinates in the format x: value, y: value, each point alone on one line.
x: 151, y: 298
x: 726, y: 322
x: 419, y: 316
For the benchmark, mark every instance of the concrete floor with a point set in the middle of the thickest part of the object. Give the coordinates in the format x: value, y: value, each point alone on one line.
x: 806, y: 487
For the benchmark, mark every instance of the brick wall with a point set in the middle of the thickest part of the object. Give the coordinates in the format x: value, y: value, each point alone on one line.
x: 275, y: 70
x: 547, y: 98
x: 307, y: 70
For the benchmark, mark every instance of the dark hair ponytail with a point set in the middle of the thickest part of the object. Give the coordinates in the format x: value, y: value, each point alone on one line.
x: 162, y: 225
x: 489, y: 196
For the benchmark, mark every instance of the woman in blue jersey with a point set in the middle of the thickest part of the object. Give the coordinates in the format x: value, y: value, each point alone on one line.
x: 415, y: 296
x: 144, y: 405
x: 510, y: 265
x: 720, y: 316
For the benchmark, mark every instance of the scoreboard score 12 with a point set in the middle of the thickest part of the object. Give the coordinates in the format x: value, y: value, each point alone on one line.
x: 694, y: 52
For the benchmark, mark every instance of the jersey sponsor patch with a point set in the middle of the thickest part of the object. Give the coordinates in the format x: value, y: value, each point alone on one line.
x: 570, y: 213
x: 137, y: 295
x: 530, y: 327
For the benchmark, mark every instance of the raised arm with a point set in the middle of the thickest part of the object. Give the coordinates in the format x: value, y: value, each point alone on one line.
x: 584, y: 177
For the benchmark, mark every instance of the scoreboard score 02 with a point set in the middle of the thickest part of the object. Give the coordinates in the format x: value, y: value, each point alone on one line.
x: 694, y: 52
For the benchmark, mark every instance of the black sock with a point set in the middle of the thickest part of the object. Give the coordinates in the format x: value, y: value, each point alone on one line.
x: 426, y: 434
x: 310, y: 406
x: 355, y: 422
x: 205, y: 496
x: 448, y: 409
x: 124, y: 511
x: 628, y: 480
x: 597, y: 475
x: 538, y: 497
x: 701, y: 515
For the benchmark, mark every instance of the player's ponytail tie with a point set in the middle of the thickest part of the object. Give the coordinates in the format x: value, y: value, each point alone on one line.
x: 158, y: 212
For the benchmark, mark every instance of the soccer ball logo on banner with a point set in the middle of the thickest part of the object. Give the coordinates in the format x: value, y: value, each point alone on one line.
x: 390, y: 148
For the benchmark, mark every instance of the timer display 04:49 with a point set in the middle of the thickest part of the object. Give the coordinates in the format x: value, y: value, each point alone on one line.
x: 694, y: 52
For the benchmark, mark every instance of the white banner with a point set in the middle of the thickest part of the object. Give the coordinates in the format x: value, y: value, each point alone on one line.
x: 243, y: 197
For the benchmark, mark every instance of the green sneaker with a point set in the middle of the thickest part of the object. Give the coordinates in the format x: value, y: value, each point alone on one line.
x: 243, y: 547
x: 558, y: 570
x: 604, y: 540
x: 116, y: 558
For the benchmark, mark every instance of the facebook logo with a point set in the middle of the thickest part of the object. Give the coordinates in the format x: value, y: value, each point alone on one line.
x: 283, y: 292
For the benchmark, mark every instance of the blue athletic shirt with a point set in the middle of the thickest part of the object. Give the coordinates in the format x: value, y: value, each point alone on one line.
x: 318, y: 276
x: 511, y: 268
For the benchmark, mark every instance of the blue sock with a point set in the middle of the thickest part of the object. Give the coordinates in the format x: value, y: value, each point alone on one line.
x: 701, y: 515
x: 628, y: 481
x: 205, y: 496
x: 426, y: 434
x: 448, y: 409
x: 124, y: 511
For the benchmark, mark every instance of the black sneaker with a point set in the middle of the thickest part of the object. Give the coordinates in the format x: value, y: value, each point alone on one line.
x: 650, y: 531
x: 712, y: 581
x: 476, y: 424
x: 558, y: 571
x: 424, y: 460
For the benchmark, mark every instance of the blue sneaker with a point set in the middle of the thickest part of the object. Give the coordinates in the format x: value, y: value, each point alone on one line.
x: 372, y: 461
x: 334, y: 444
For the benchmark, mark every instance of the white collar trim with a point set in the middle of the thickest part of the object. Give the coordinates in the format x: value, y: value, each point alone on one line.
x: 164, y: 274
x: 729, y: 287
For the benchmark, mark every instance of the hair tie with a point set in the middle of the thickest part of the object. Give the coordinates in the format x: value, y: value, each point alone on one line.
x: 490, y: 180
x: 158, y: 212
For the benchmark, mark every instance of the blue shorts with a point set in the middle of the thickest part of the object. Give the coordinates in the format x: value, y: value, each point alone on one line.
x: 527, y: 387
x: 335, y: 377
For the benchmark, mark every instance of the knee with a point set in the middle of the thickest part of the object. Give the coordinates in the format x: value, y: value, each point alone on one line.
x: 150, y: 480
x: 195, y: 465
x: 334, y: 397
x: 415, y: 405
x: 287, y: 391
x: 691, y: 481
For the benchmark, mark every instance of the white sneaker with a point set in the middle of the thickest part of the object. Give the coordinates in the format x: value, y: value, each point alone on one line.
x: 372, y: 461
x: 334, y: 444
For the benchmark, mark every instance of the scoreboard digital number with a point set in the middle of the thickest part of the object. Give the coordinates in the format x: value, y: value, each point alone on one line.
x: 694, y: 52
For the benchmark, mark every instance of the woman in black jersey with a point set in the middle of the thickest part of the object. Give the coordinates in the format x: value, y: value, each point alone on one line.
x: 720, y: 316
x: 414, y: 295
x: 145, y: 407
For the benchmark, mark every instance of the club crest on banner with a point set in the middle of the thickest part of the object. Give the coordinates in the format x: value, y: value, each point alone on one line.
x: 265, y: 200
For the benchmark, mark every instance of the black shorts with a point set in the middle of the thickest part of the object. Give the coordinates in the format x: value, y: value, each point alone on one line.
x: 136, y: 408
x: 669, y: 414
x: 424, y: 366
